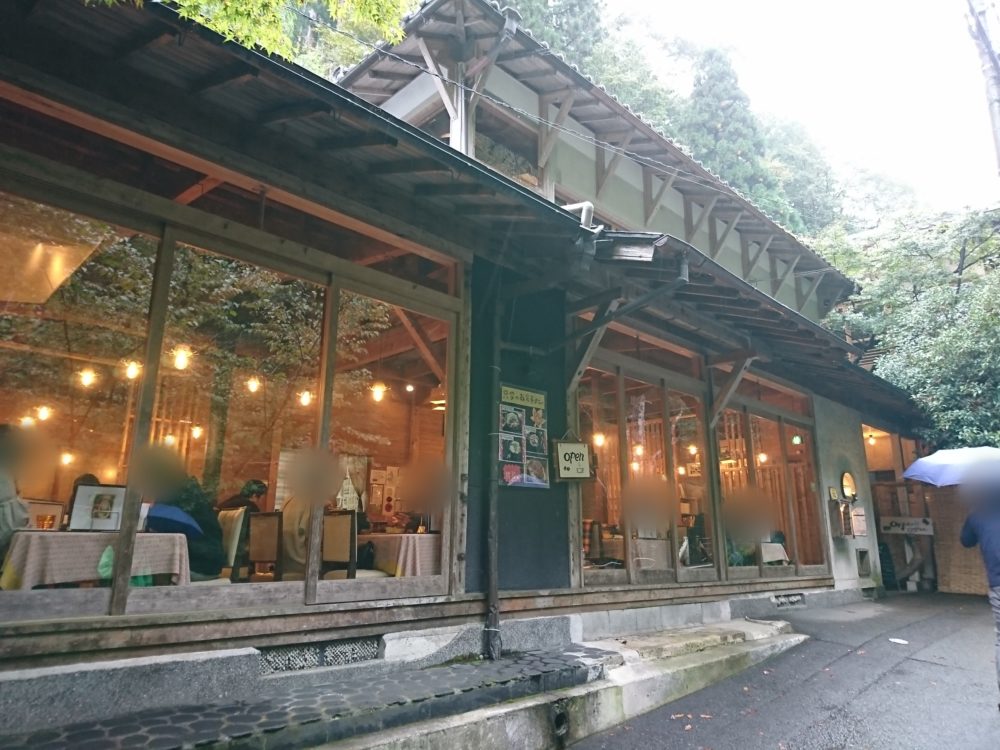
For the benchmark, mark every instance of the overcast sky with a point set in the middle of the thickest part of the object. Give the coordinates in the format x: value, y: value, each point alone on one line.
x: 893, y: 85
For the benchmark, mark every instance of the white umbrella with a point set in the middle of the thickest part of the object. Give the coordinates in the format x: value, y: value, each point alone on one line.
x: 950, y: 467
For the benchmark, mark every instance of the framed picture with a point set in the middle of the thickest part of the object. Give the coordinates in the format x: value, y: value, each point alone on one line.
x: 44, y: 515
x: 97, y: 508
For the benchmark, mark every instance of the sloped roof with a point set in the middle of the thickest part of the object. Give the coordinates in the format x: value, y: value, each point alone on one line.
x: 386, y: 71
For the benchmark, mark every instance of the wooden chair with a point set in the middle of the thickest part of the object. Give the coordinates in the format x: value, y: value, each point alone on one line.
x: 340, y: 547
x: 234, y: 531
x: 264, y: 545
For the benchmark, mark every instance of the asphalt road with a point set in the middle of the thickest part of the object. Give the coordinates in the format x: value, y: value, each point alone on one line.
x: 848, y: 686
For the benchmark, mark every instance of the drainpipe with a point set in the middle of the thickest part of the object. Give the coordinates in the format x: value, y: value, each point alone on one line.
x: 492, y: 641
x: 586, y: 211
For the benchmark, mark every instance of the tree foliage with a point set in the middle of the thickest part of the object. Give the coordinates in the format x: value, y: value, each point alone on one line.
x: 269, y: 24
x: 573, y: 28
x: 930, y: 302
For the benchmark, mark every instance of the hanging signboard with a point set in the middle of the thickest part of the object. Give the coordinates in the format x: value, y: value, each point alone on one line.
x: 524, y: 438
x: 901, y: 525
x: 572, y: 460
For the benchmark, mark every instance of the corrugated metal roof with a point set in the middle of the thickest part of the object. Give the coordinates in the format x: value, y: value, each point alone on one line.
x: 379, y: 76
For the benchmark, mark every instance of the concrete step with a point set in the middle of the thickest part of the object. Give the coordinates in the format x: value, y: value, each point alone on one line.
x: 559, y: 718
x: 308, y: 715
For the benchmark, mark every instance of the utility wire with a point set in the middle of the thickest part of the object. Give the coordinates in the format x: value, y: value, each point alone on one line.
x: 639, y: 159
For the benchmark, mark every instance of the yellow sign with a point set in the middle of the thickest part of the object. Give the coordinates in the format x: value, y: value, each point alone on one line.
x: 520, y: 397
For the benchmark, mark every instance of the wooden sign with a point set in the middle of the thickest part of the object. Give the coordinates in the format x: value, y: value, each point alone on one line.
x: 572, y: 460
x: 910, y: 526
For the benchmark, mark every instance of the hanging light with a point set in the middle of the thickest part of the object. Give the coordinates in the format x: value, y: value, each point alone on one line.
x: 762, y: 458
x: 871, y: 439
x: 132, y: 369
x: 27, y: 422
x: 693, y: 449
x: 796, y: 440
x: 635, y: 466
x: 305, y: 398
x: 197, y: 431
x: 253, y: 384
x: 66, y: 458
x: 110, y: 474
x: 87, y: 377
x: 438, y: 399
x: 182, y: 357
x: 638, y: 450
x: 378, y: 390
x: 599, y: 439
x: 681, y: 470
x: 170, y: 440
x: 43, y: 413
x: 409, y: 388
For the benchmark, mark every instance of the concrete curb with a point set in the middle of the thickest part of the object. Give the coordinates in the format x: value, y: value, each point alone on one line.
x: 626, y: 692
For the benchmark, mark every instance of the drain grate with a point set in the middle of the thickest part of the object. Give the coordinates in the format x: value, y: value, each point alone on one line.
x: 315, y: 655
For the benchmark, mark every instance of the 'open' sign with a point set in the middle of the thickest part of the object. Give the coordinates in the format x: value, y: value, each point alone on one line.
x: 572, y: 460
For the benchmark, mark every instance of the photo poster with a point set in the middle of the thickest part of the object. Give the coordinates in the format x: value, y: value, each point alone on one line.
x: 524, y: 438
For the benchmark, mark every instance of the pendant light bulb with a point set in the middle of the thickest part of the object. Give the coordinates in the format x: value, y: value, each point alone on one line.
x: 378, y: 390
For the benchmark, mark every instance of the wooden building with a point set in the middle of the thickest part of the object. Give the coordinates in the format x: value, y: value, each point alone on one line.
x: 217, y: 252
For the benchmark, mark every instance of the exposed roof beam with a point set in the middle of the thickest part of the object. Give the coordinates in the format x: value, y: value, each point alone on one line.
x: 651, y: 201
x: 480, y: 70
x: 422, y: 342
x: 226, y: 76
x: 490, y: 209
x: 802, y: 296
x: 585, y: 351
x: 357, y: 140
x: 604, y: 172
x: 451, y: 188
x: 160, y: 35
x: 720, y: 240
x: 692, y: 224
x: 437, y: 77
x: 516, y: 55
x: 752, y: 258
x: 778, y: 281
x: 392, y: 75
x: 293, y: 111
x: 198, y: 189
x: 548, y: 135
x: 421, y: 164
x: 728, y: 388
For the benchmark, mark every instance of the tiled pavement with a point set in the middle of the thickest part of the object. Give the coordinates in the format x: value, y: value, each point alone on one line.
x: 300, y: 717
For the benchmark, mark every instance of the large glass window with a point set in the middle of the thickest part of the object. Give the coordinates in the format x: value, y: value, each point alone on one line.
x: 694, y: 517
x: 74, y: 300
x: 390, y: 409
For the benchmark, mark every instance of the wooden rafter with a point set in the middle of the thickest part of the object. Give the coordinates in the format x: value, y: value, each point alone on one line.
x: 720, y: 239
x: 293, y: 111
x: 802, y: 296
x: 750, y: 261
x: 437, y: 76
x: 146, y: 40
x: 604, y: 172
x: 586, y: 350
x: 480, y: 70
x: 357, y: 140
x: 728, y: 388
x: 422, y: 342
x: 691, y: 223
x: 198, y: 189
x: 778, y: 280
x: 548, y: 135
x: 400, y: 166
x: 232, y: 74
x: 651, y: 201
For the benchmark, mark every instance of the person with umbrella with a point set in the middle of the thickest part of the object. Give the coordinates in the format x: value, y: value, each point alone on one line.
x: 180, y: 505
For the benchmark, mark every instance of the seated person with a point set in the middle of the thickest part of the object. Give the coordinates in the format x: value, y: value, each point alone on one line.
x: 163, y: 480
x: 13, y: 510
x: 315, y: 478
x: 250, y: 497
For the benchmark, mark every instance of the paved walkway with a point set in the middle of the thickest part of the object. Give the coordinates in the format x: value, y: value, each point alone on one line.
x: 311, y: 715
x: 849, y: 687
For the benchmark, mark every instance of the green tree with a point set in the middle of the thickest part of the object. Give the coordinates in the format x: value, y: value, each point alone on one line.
x: 930, y: 301
x: 269, y: 24
x: 803, y: 175
x: 717, y: 124
x: 572, y: 28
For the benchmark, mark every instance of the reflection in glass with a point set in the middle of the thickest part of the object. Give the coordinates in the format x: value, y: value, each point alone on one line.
x: 805, y: 497
x: 694, y: 511
x: 390, y: 407
x: 74, y: 300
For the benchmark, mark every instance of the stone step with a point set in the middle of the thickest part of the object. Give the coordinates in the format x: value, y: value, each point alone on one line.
x: 310, y: 715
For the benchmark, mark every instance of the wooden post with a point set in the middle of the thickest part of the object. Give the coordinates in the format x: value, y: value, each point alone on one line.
x: 124, y: 544
x: 494, y: 644
x: 327, y: 369
x: 713, y: 479
x: 623, y: 468
x: 789, y: 493
x: 670, y: 468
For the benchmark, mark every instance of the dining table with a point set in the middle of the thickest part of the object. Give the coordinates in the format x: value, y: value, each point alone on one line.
x: 406, y: 554
x: 50, y: 558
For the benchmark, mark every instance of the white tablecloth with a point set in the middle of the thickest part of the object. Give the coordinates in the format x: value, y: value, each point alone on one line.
x: 406, y: 554
x: 773, y: 552
x: 44, y: 558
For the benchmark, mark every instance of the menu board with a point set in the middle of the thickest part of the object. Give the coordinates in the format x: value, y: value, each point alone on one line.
x: 524, y: 438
